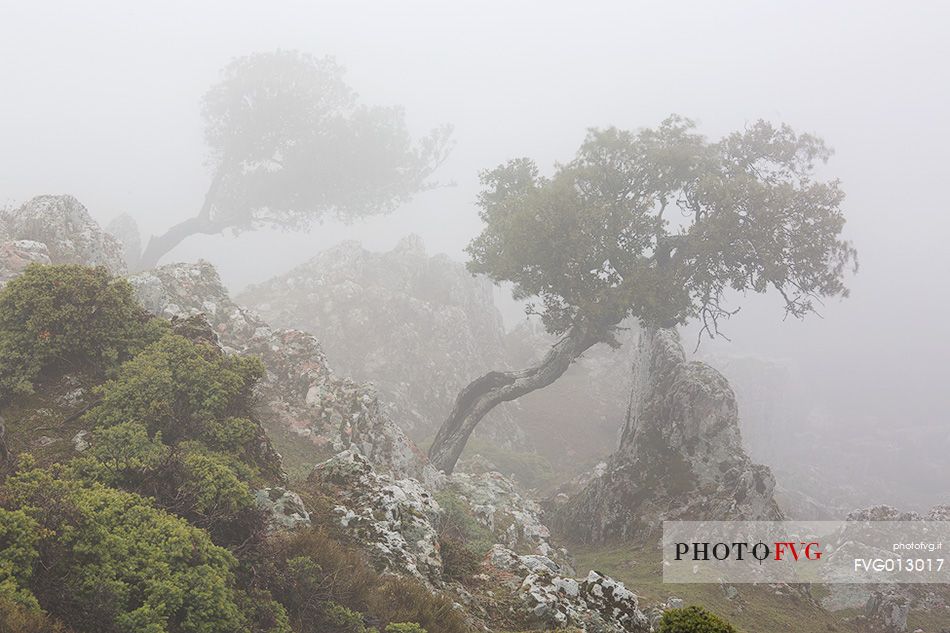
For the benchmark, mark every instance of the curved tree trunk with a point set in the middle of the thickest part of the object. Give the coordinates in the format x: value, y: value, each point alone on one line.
x: 159, y: 245
x: 485, y: 393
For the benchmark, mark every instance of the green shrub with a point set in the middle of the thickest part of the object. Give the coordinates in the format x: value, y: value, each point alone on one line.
x: 110, y: 561
x: 458, y: 523
x: 404, y: 627
x: 459, y: 561
x: 406, y: 600
x: 311, y: 570
x: 19, y: 535
x: 185, y: 391
x: 67, y: 317
x: 189, y: 444
x: 693, y: 620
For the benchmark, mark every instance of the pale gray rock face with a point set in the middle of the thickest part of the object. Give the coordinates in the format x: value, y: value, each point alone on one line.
x: 396, y: 521
x: 16, y: 255
x: 125, y: 229
x: 284, y: 508
x: 308, y: 410
x: 595, y: 603
x: 419, y: 327
x: 516, y: 522
x: 393, y: 519
x: 70, y: 234
x: 680, y: 455
x: 887, y: 612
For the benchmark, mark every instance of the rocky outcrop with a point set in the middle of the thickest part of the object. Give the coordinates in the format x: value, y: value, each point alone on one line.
x: 680, y: 455
x: 887, y: 612
x: 284, y: 508
x: 595, y: 603
x: 397, y: 522
x: 419, y: 327
x: 392, y: 518
x: 309, y: 411
x: 69, y: 233
x: 16, y: 255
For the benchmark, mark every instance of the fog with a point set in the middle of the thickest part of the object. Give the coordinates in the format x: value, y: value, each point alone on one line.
x: 102, y: 100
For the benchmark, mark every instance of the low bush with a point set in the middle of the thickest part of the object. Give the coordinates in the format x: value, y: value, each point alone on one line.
x: 310, y: 571
x: 67, y: 317
x: 693, y: 620
x: 109, y: 561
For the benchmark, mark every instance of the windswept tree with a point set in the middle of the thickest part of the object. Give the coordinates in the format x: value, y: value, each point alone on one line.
x: 661, y: 225
x: 290, y: 144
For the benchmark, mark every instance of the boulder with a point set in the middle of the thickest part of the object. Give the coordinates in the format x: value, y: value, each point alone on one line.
x: 887, y: 612
x: 16, y: 255
x: 393, y: 519
x: 284, y: 508
x: 680, y: 455
x: 70, y: 234
x: 595, y: 603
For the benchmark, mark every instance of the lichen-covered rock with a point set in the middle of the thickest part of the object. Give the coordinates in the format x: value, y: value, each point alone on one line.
x: 419, y: 327
x: 887, y: 612
x: 515, y: 520
x: 500, y: 557
x: 391, y: 518
x: 310, y: 412
x: 125, y: 229
x: 16, y: 255
x: 284, y: 508
x: 680, y: 455
x: 70, y: 234
x: 883, y: 513
x: 595, y: 604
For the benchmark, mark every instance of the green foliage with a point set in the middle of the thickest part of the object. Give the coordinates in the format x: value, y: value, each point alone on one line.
x: 19, y: 535
x: 406, y: 600
x: 110, y: 561
x: 463, y: 541
x: 185, y: 391
x: 693, y: 620
x: 67, y: 317
x: 190, y: 446
x: 404, y: 627
x: 312, y: 571
x: 459, y: 524
x: 661, y: 223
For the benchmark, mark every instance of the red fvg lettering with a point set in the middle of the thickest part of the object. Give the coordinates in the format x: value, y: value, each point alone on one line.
x: 808, y: 550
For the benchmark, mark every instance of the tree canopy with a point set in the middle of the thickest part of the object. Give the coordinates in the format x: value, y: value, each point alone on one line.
x: 661, y: 223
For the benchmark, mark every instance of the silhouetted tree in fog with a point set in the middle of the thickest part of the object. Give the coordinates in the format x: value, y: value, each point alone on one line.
x: 657, y: 225
x: 290, y: 144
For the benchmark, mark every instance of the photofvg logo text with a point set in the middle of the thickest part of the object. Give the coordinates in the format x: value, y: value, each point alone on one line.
x: 779, y: 551
x: 805, y: 551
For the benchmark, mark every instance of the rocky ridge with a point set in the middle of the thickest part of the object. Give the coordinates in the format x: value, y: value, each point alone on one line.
x: 419, y: 327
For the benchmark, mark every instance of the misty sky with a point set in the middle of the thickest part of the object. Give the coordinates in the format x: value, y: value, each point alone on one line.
x: 101, y: 100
